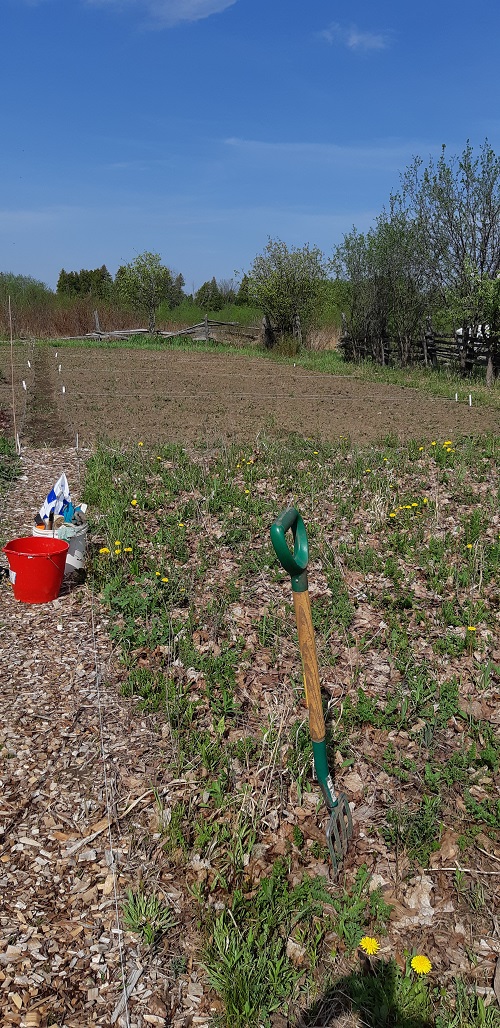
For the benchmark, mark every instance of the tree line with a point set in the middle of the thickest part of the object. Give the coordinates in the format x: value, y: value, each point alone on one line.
x: 430, y: 263
x: 145, y: 284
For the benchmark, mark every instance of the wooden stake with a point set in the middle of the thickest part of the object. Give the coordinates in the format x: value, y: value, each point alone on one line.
x: 12, y: 374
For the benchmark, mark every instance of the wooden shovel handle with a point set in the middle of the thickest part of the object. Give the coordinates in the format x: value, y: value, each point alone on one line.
x: 307, y: 646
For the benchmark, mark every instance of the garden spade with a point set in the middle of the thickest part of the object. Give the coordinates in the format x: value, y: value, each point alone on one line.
x: 339, y: 830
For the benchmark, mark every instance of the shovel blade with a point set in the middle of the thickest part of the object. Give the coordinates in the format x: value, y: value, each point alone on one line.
x: 339, y: 831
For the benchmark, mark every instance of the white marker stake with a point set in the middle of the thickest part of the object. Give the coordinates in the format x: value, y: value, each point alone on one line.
x: 18, y: 444
x: 24, y: 386
x: 77, y: 440
x: 456, y: 397
x: 470, y: 400
x: 29, y: 364
x: 59, y: 369
x: 64, y: 389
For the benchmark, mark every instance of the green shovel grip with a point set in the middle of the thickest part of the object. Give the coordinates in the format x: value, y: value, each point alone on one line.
x: 295, y: 563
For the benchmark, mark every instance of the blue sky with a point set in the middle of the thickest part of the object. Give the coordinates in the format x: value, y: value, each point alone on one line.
x: 198, y: 128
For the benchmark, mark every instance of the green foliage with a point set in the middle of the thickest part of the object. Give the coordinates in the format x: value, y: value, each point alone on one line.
x: 468, y: 1010
x: 23, y: 290
x: 10, y: 465
x: 246, y: 960
x: 209, y: 297
x: 97, y: 283
x: 145, y: 283
x: 388, y: 293
x: 147, y: 915
x: 416, y: 832
x: 357, y: 908
x: 286, y: 284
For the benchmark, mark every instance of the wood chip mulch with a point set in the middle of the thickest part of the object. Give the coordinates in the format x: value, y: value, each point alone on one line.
x: 78, y: 766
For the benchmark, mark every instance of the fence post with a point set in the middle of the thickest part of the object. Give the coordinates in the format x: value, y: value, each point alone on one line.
x: 207, y: 333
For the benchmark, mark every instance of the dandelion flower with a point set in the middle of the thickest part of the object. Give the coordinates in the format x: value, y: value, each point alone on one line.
x: 392, y: 514
x: 247, y: 491
x: 414, y: 504
x: 369, y: 945
x: 447, y: 442
x: 420, y: 449
x: 368, y: 471
x: 425, y: 500
x: 140, y: 444
x: 181, y: 524
x: 433, y: 442
x: 104, y: 549
x: 471, y: 628
x: 157, y: 573
x: 117, y: 542
x: 421, y: 964
x: 164, y: 579
x: 469, y: 546
x: 128, y: 549
x: 134, y: 503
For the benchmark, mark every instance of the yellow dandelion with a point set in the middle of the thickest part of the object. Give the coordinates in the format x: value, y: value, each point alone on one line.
x: 247, y: 491
x: 469, y: 546
x: 181, y: 524
x: 140, y: 444
x: 134, y: 503
x: 164, y: 579
x: 447, y: 442
x: 157, y: 573
x: 392, y: 514
x: 127, y: 549
x: 425, y: 500
x: 420, y: 449
x: 369, y: 945
x: 117, y: 542
x: 104, y: 549
x: 368, y: 471
x: 316, y: 452
x: 433, y: 443
x: 471, y: 628
x: 414, y: 504
x: 421, y: 964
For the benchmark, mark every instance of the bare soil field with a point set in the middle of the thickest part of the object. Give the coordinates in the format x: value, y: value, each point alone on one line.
x: 173, y: 396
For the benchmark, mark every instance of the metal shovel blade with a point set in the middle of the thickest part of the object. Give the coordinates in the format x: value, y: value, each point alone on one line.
x: 339, y: 831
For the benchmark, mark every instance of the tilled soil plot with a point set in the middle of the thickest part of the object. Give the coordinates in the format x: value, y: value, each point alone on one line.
x: 179, y: 397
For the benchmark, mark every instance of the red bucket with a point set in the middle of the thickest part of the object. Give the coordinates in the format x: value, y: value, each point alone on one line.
x: 36, y: 567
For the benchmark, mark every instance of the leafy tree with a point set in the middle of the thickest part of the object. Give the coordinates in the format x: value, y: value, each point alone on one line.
x: 97, y: 283
x: 287, y: 284
x: 144, y: 284
x: 390, y: 290
x: 242, y: 298
x: 23, y: 289
x: 456, y: 202
x: 209, y: 297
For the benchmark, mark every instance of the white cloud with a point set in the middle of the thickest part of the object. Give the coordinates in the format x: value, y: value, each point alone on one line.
x: 388, y: 154
x: 169, y: 12
x: 354, y: 39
